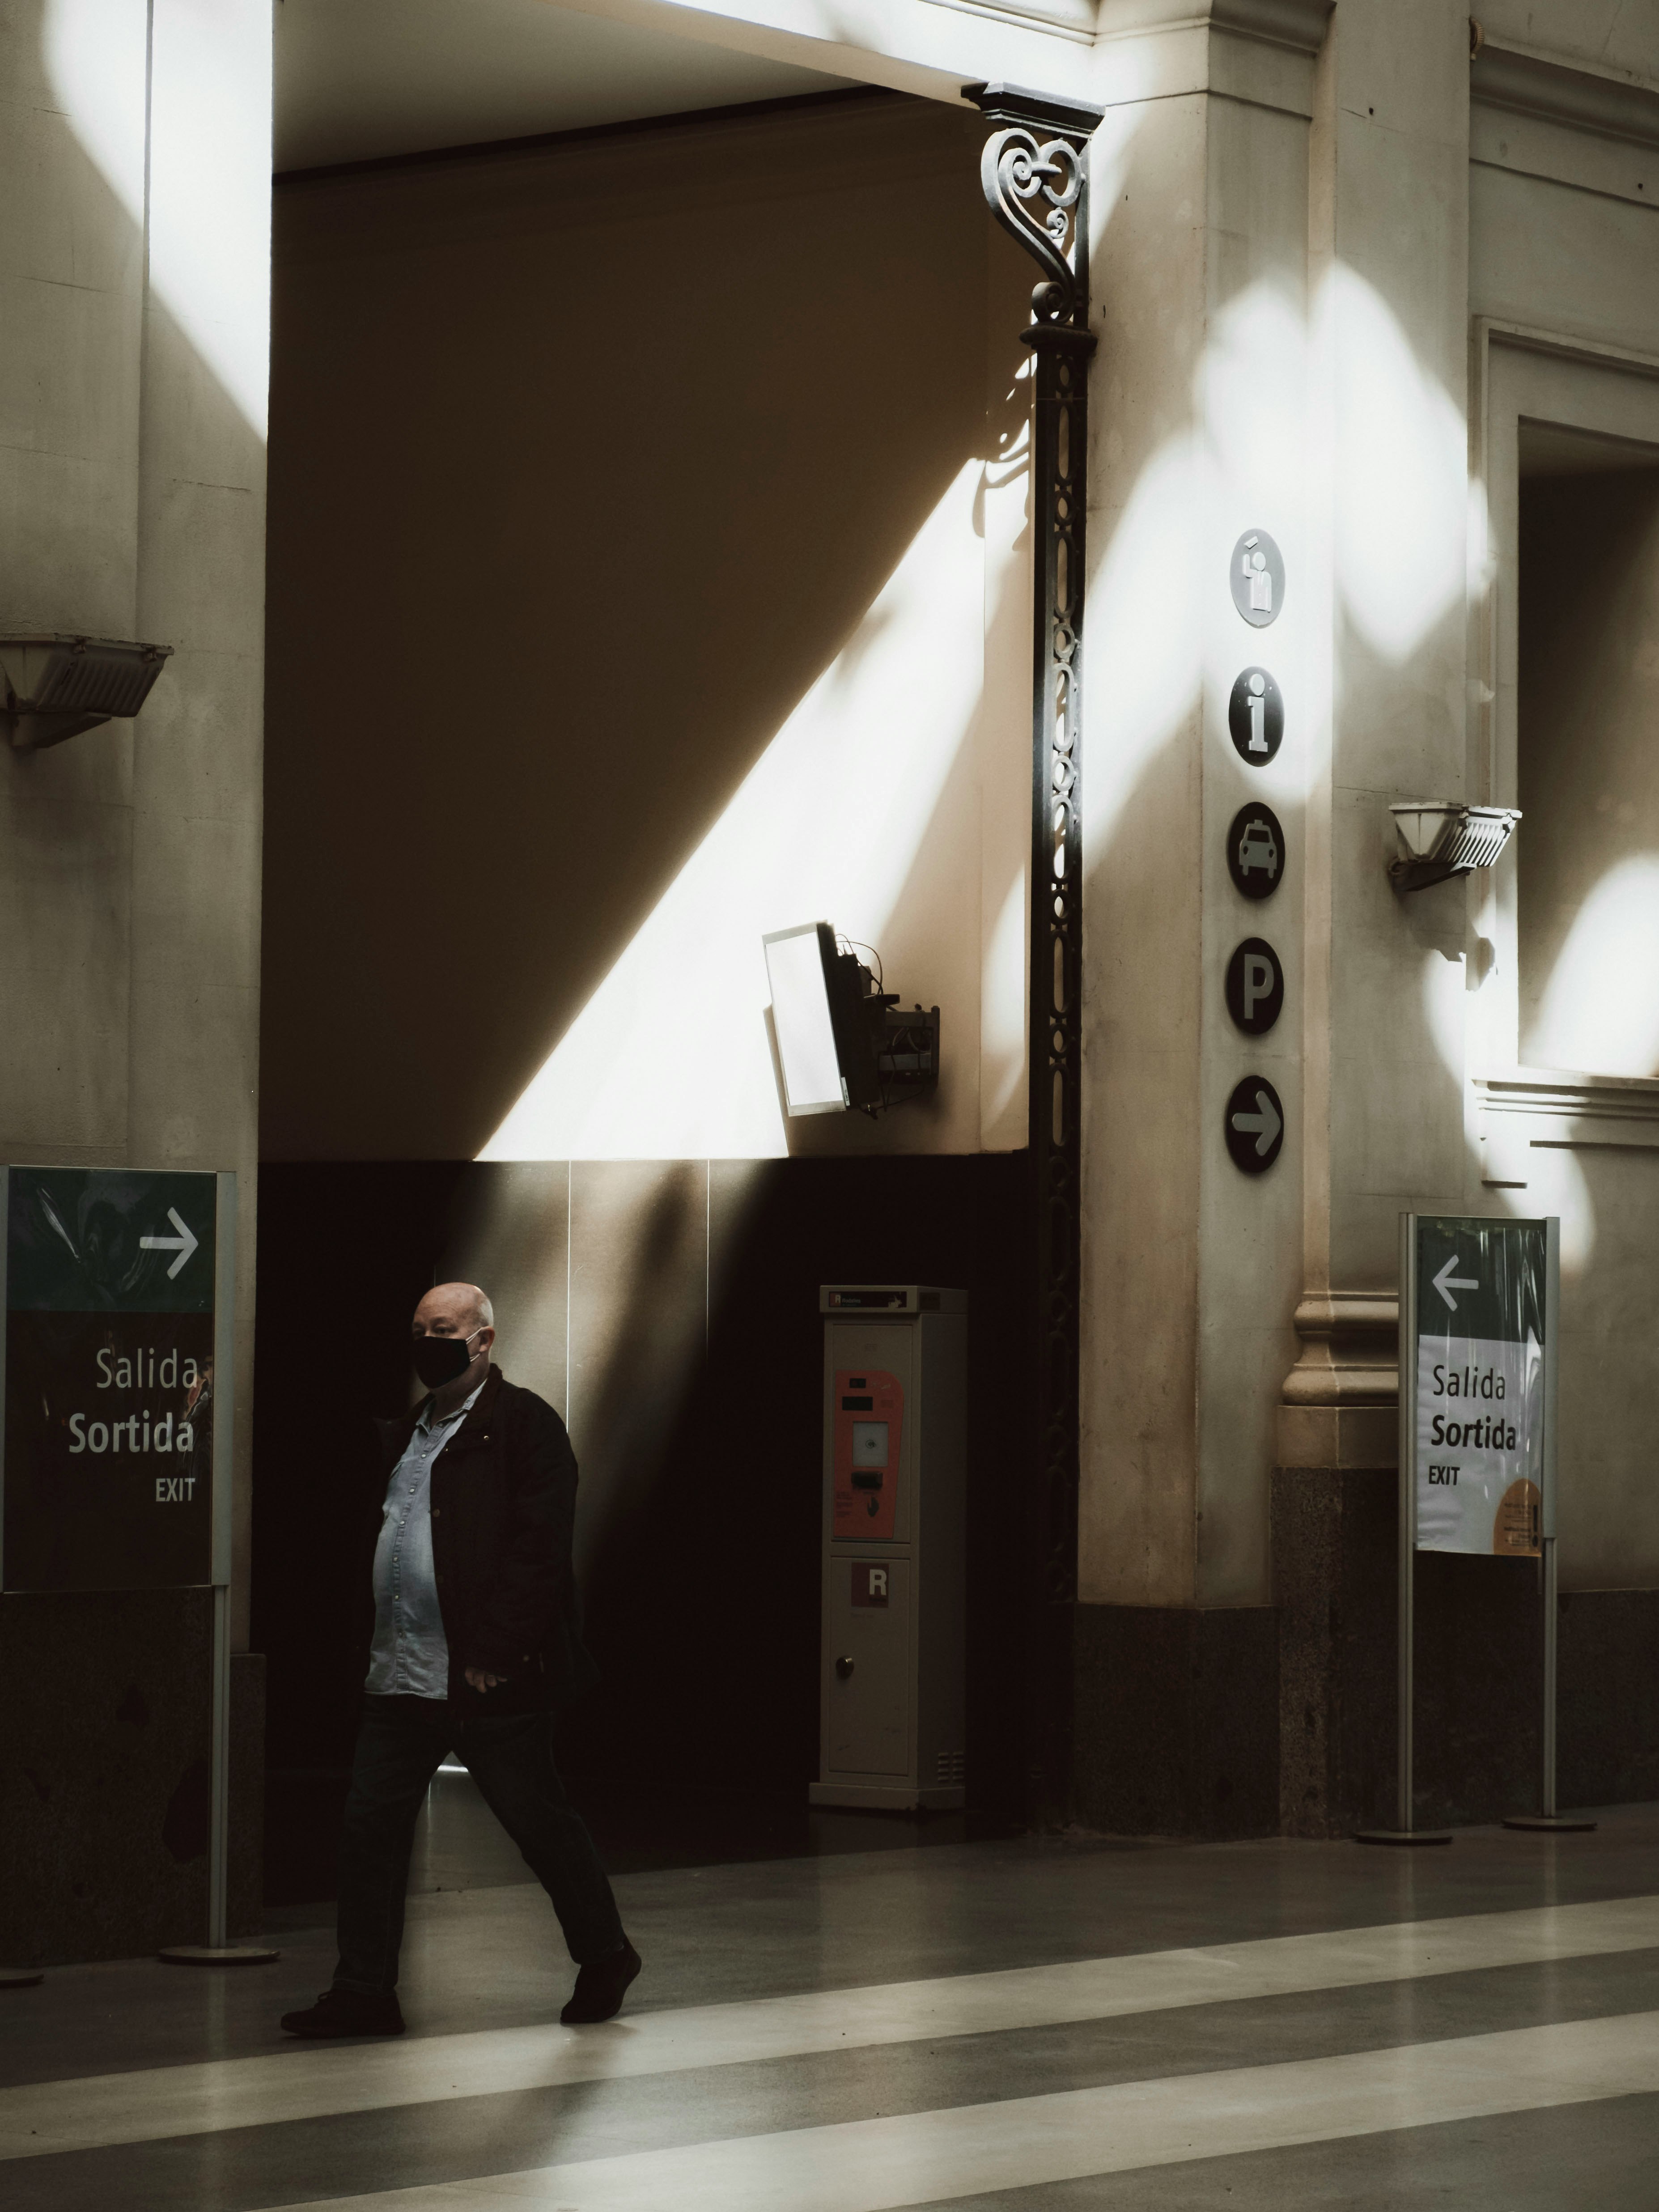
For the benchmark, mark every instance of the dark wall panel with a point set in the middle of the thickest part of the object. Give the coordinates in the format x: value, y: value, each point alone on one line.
x: 702, y: 1586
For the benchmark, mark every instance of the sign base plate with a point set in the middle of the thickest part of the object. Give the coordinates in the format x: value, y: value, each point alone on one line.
x: 217, y: 1954
x: 1551, y: 1824
x: 1403, y: 1836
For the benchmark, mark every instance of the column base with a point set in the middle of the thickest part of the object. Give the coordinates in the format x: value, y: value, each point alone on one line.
x: 217, y: 1954
x: 1402, y: 1835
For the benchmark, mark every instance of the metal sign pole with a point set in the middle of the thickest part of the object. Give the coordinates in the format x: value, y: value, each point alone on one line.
x: 1406, y: 1668
x: 219, y: 1950
x: 1403, y: 1830
x: 11, y: 1977
x: 1547, y: 1819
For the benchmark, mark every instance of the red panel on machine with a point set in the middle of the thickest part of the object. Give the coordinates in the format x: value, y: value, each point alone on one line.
x: 869, y: 1432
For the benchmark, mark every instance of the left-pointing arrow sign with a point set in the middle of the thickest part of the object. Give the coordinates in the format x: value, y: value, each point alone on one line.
x: 1445, y: 1282
x: 184, y: 1244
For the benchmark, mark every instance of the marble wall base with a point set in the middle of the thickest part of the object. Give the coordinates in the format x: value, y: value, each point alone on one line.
x: 1335, y: 1584
x: 1175, y: 1720
x: 104, y: 1784
x: 1479, y: 1655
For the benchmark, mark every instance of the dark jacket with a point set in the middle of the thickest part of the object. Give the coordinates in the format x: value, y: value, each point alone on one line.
x: 503, y: 1517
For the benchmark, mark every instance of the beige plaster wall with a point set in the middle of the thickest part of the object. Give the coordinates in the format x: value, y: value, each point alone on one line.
x: 1589, y: 772
x: 1563, y: 240
x: 1569, y: 924
x: 1619, y: 39
x: 1553, y: 258
x: 132, y: 480
x: 640, y: 507
x: 1394, y: 103
x: 1143, y: 985
x: 1588, y: 911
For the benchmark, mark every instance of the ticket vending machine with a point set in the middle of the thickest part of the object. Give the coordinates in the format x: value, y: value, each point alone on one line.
x: 891, y: 1652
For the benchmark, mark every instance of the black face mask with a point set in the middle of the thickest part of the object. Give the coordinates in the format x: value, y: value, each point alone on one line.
x: 441, y: 1359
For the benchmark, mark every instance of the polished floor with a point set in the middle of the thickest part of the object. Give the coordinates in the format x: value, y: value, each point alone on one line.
x: 1032, y: 2025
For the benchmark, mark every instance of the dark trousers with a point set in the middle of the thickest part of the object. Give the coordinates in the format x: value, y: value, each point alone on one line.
x: 400, y: 1746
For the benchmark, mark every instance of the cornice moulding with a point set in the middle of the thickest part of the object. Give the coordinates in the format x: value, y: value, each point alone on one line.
x: 1563, y: 1109
x: 1525, y: 84
x: 1298, y: 24
x: 1072, y: 20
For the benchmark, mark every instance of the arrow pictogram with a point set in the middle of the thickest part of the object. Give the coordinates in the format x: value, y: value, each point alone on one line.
x: 184, y: 1244
x: 1445, y: 1282
x: 1265, y: 1123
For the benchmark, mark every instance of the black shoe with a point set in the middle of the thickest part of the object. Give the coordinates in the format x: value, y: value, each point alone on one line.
x: 601, y: 1985
x: 347, y: 2012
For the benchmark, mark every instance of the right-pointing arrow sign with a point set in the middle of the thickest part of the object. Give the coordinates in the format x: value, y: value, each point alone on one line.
x: 184, y: 1244
x: 1264, y: 1124
x: 1255, y: 1125
x: 1445, y: 1282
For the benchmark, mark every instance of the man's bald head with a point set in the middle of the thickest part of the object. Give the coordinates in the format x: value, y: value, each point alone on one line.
x: 453, y: 1310
x: 461, y: 1314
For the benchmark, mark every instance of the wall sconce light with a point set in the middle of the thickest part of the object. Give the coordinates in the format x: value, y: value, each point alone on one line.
x: 55, y: 685
x: 1444, y: 837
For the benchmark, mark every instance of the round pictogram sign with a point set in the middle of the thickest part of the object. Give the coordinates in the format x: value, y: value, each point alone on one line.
x: 1255, y: 1125
x: 1258, y: 579
x: 1256, y: 986
x: 1255, y: 717
x: 1255, y: 851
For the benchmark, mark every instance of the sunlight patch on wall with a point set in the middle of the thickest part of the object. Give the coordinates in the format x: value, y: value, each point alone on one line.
x: 1002, y: 1026
x: 209, y: 215
x: 1445, y: 991
x: 1251, y: 396
x: 1142, y: 639
x: 1400, y: 559
x: 1600, y: 1011
x: 669, y: 1060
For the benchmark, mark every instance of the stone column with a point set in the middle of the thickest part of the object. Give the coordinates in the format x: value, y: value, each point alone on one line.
x: 1192, y: 1269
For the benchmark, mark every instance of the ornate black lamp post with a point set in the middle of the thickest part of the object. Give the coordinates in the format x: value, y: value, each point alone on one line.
x: 1034, y: 171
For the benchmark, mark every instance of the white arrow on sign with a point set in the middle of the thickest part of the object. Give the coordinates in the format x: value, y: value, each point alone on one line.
x: 184, y: 1244
x: 1445, y: 1282
x: 1267, y: 1123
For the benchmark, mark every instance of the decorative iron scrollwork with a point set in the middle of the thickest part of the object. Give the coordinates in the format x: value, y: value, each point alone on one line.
x: 1017, y: 169
x: 1035, y: 172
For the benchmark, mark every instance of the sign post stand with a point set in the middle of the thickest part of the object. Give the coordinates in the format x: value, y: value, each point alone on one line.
x: 1404, y: 1832
x: 219, y: 1950
x: 1547, y: 1819
x: 1479, y: 1350
x: 117, y: 1414
x: 11, y: 1977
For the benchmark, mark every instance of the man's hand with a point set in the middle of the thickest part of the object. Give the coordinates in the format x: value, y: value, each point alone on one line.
x: 480, y: 1681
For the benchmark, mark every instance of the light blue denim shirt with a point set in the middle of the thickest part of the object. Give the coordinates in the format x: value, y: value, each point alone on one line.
x: 410, y: 1656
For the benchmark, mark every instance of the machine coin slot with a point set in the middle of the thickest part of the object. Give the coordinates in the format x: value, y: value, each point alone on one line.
x: 858, y: 1404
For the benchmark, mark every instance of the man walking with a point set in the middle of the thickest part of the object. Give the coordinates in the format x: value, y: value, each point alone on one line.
x: 476, y: 1637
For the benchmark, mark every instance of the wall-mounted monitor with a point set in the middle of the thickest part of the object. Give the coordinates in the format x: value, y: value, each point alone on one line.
x: 821, y: 1017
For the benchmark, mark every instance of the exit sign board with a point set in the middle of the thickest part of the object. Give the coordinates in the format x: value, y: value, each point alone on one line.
x: 1480, y: 1374
x: 109, y: 1379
